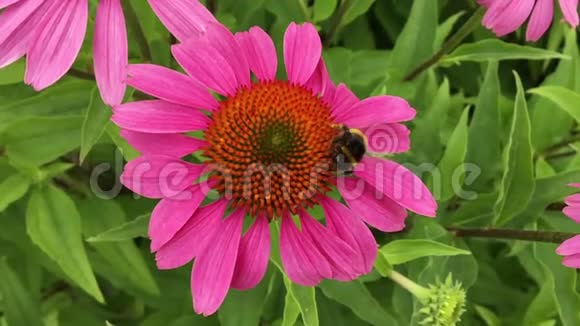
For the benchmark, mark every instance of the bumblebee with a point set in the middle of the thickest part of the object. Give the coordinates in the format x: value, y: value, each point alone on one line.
x: 348, y: 148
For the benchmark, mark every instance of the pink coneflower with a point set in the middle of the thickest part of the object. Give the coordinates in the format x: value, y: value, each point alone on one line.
x: 51, y: 32
x: 505, y: 16
x: 268, y: 150
x: 570, y: 248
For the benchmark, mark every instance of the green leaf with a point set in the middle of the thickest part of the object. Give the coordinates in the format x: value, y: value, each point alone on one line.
x: 357, y: 297
x: 488, y: 316
x: 494, y: 49
x: 49, y: 137
x: 566, y: 99
x: 484, y: 148
x: 355, y: 9
x: 13, y: 73
x: 125, y: 231
x: 96, y: 119
x: 129, y: 153
x: 323, y: 9
x: 445, y: 29
x: 20, y: 308
x: 291, y: 309
x: 401, y: 251
x: 244, y: 308
x: 451, y: 167
x: 123, y: 256
x: 13, y: 188
x: 54, y: 224
x: 517, y: 184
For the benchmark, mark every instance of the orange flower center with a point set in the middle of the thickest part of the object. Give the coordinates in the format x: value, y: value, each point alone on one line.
x: 270, y: 147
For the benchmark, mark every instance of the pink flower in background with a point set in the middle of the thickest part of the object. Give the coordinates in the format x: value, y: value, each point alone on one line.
x: 51, y: 32
x: 505, y: 16
x: 268, y: 151
x: 570, y: 248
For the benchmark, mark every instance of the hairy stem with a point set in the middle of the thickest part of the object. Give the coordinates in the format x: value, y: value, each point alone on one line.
x: 414, y: 288
x: 449, y: 45
x: 554, y: 149
x: 135, y: 26
x: 336, y: 22
x: 73, y: 72
x: 512, y: 234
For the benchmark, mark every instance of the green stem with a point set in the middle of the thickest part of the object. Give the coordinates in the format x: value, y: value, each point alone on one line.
x: 135, y: 26
x: 512, y: 234
x: 548, y: 152
x: 449, y: 45
x: 80, y: 74
x: 304, y: 10
x: 417, y: 290
x: 336, y: 22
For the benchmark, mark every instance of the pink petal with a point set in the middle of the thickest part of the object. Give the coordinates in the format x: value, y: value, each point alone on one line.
x: 345, y: 262
x: 377, y: 109
x: 569, y: 247
x: 6, y: 3
x: 215, y: 59
x: 342, y: 101
x: 176, y: 145
x: 158, y: 117
x: 170, y: 214
x: 17, y: 24
x: 159, y: 176
x: 485, y: 3
x: 253, y: 256
x: 320, y: 82
x: 110, y: 51
x: 193, y: 238
x: 504, y: 17
x: 341, y: 221
x: 388, y: 138
x: 570, y: 11
x: 171, y: 86
x: 372, y: 206
x: 572, y: 212
x: 573, y: 200
x: 57, y: 41
x: 260, y: 51
x: 540, y: 19
x: 183, y: 18
x: 303, y: 262
x: 399, y: 184
x: 572, y: 261
x: 213, y: 269
x: 575, y: 185
x: 302, y: 51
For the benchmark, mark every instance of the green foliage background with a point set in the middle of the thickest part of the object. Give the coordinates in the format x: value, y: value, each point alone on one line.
x: 73, y: 257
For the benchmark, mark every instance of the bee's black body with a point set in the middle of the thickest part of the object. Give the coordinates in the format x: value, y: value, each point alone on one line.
x: 349, y: 147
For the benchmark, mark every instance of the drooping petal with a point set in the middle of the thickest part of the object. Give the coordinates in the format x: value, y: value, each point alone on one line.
x: 215, y: 59
x: 56, y: 42
x: 253, y: 255
x: 572, y: 212
x: 183, y: 18
x: 398, y: 183
x: 6, y: 3
x: 320, y: 82
x: 17, y: 24
x: 110, y: 51
x: 260, y: 51
x: 388, y: 138
x: 569, y: 247
x: 372, y: 206
x: 570, y: 11
x: 342, y: 221
x: 572, y: 261
x: 342, y: 101
x: 540, y: 19
x: 303, y: 262
x: 213, y: 269
x: 302, y: 51
x: 504, y: 17
x: 176, y: 145
x: 158, y: 117
x: 158, y: 176
x: 345, y: 262
x: 377, y: 109
x: 573, y: 200
x: 171, y: 214
x: 171, y: 86
x: 193, y: 237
